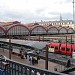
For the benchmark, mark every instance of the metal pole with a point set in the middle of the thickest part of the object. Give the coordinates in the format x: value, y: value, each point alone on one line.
x: 71, y: 46
x: 9, y: 48
x: 46, y: 61
x: 39, y: 38
x: 66, y: 45
x: 29, y: 36
x: 59, y: 45
x: 43, y: 38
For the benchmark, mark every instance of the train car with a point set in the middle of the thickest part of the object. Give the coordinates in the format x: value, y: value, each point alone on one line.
x: 61, y: 48
x: 56, y: 47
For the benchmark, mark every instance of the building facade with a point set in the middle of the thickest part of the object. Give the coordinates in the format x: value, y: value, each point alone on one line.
x: 61, y: 22
x: 18, y: 29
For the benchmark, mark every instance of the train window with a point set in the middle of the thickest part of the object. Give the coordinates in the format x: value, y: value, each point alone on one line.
x: 68, y: 49
x: 52, y: 46
x: 56, y: 47
x: 62, y: 48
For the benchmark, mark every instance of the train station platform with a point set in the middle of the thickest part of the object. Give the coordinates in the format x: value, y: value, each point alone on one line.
x: 54, y: 60
x: 41, y: 62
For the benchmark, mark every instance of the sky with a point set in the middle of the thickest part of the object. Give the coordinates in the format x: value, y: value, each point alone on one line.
x: 29, y: 11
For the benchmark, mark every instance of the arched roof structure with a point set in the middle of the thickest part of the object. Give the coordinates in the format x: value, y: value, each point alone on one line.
x: 70, y: 30
x: 33, y: 29
x: 38, y: 30
x: 62, y: 30
x: 2, y: 31
x: 52, y: 30
x: 18, y: 29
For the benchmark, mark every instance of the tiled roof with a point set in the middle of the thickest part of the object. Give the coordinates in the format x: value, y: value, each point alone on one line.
x: 6, y: 24
x: 9, y: 23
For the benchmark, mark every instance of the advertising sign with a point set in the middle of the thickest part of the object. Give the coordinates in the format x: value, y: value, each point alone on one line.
x: 51, y: 49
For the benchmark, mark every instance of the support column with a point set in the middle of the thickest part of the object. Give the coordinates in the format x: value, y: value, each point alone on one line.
x: 46, y: 60
x: 71, y: 46
x: 39, y: 38
x: 43, y: 38
x: 66, y: 45
x: 10, y: 48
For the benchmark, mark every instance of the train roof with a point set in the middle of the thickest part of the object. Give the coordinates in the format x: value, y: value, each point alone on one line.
x: 53, y: 43
x: 65, y: 45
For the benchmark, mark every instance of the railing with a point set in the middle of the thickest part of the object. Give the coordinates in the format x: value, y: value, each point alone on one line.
x: 64, y: 69
x: 59, y: 68
x: 68, y: 70
x: 15, y: 68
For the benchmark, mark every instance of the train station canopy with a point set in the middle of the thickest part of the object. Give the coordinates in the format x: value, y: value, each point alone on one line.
x: 37, y: 45
x: 32, y: 44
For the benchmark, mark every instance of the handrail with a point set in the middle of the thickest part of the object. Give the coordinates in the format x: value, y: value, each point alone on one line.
x: 16, y: 68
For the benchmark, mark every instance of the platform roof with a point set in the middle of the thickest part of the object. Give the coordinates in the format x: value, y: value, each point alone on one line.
x: 32, y: 44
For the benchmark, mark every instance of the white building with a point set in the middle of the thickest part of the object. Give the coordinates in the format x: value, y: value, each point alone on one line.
x: 65, y: 23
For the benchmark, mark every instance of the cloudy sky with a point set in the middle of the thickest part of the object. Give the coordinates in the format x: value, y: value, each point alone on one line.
x: 27, y: 11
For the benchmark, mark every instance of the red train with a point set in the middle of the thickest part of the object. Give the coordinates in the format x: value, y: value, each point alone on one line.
x: 66, y: 49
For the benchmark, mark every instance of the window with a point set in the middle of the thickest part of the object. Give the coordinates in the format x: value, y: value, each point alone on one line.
x: 56, y: 47
x: 52, y: 46
x: 62, y: 48
x: 68, y: 49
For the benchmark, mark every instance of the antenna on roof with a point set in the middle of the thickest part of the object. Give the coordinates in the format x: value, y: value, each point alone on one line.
x: 73, y: 10
x: 60, y: 18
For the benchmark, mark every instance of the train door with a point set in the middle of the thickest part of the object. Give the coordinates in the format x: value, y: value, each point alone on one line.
x: 62, y: 49
x: 68, y: 50
x: 73, y: 49
x: 57, y: 47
